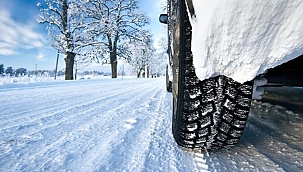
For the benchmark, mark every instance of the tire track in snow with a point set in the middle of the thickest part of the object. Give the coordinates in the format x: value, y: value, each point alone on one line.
x: 201, y: 162
x: 125, y: 126
x: 62, y: 107
x: 163, y: 153
x: 56, y: 119
x: 156, y: 150
x: 120, y: 107
x: 110, y: 128
x: 141, y: 132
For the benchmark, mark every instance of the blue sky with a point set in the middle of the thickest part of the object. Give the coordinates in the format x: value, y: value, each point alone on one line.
x: 23, y: 42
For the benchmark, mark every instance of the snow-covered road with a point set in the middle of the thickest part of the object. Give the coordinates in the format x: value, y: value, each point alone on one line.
x: 125, y: 125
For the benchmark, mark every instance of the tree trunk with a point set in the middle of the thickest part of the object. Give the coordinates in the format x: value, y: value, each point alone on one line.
x: 69, y: 56
x: 147, y: 71
x: 69, y: 65
x: 112, y: 46
x: 139, y: 72
x: 113, y: 62
x: 114, y: 65
x: 76, y: 70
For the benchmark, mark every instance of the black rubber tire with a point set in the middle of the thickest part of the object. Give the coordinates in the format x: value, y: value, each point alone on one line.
x: 209, y: 114
x: 168, y: 82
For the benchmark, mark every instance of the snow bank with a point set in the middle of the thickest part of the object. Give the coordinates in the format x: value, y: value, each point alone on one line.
x: 241, y: 39
x: 21, y: 81
x: 27, y: 79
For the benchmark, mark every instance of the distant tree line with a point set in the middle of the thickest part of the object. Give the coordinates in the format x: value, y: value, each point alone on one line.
x: 9, y: 71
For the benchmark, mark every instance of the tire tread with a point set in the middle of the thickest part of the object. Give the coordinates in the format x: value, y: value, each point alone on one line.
x: 214, y: 111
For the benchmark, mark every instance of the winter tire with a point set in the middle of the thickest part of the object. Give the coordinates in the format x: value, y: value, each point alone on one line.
x: 208, y: 114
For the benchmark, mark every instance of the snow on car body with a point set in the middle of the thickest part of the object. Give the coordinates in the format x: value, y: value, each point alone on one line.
x: 242, y: 39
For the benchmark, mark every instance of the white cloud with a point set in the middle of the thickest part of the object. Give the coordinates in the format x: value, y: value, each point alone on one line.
x: 7, y: 52
x: 15, y: 36
x: 41, y: 56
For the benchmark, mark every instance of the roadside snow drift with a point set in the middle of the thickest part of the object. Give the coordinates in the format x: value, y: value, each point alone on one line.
x: 241, y: 39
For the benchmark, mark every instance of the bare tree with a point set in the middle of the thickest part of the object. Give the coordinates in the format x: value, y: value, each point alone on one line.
x: 141, y: 56
x: 65, y: 28
x: 160, y: 58
x: 115, y: 22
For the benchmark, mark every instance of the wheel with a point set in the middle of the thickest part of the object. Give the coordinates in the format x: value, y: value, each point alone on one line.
x: 168, y: 82
x: 208, y: 114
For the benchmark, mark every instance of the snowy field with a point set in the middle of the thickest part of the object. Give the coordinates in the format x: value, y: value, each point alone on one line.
x: 125, y: 125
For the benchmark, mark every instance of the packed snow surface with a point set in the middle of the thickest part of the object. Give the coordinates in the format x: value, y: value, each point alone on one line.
x: 125, y: 125
x: 242, y: 38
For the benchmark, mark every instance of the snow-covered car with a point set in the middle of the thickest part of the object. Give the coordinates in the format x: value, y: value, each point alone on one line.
x: 221, y: 53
